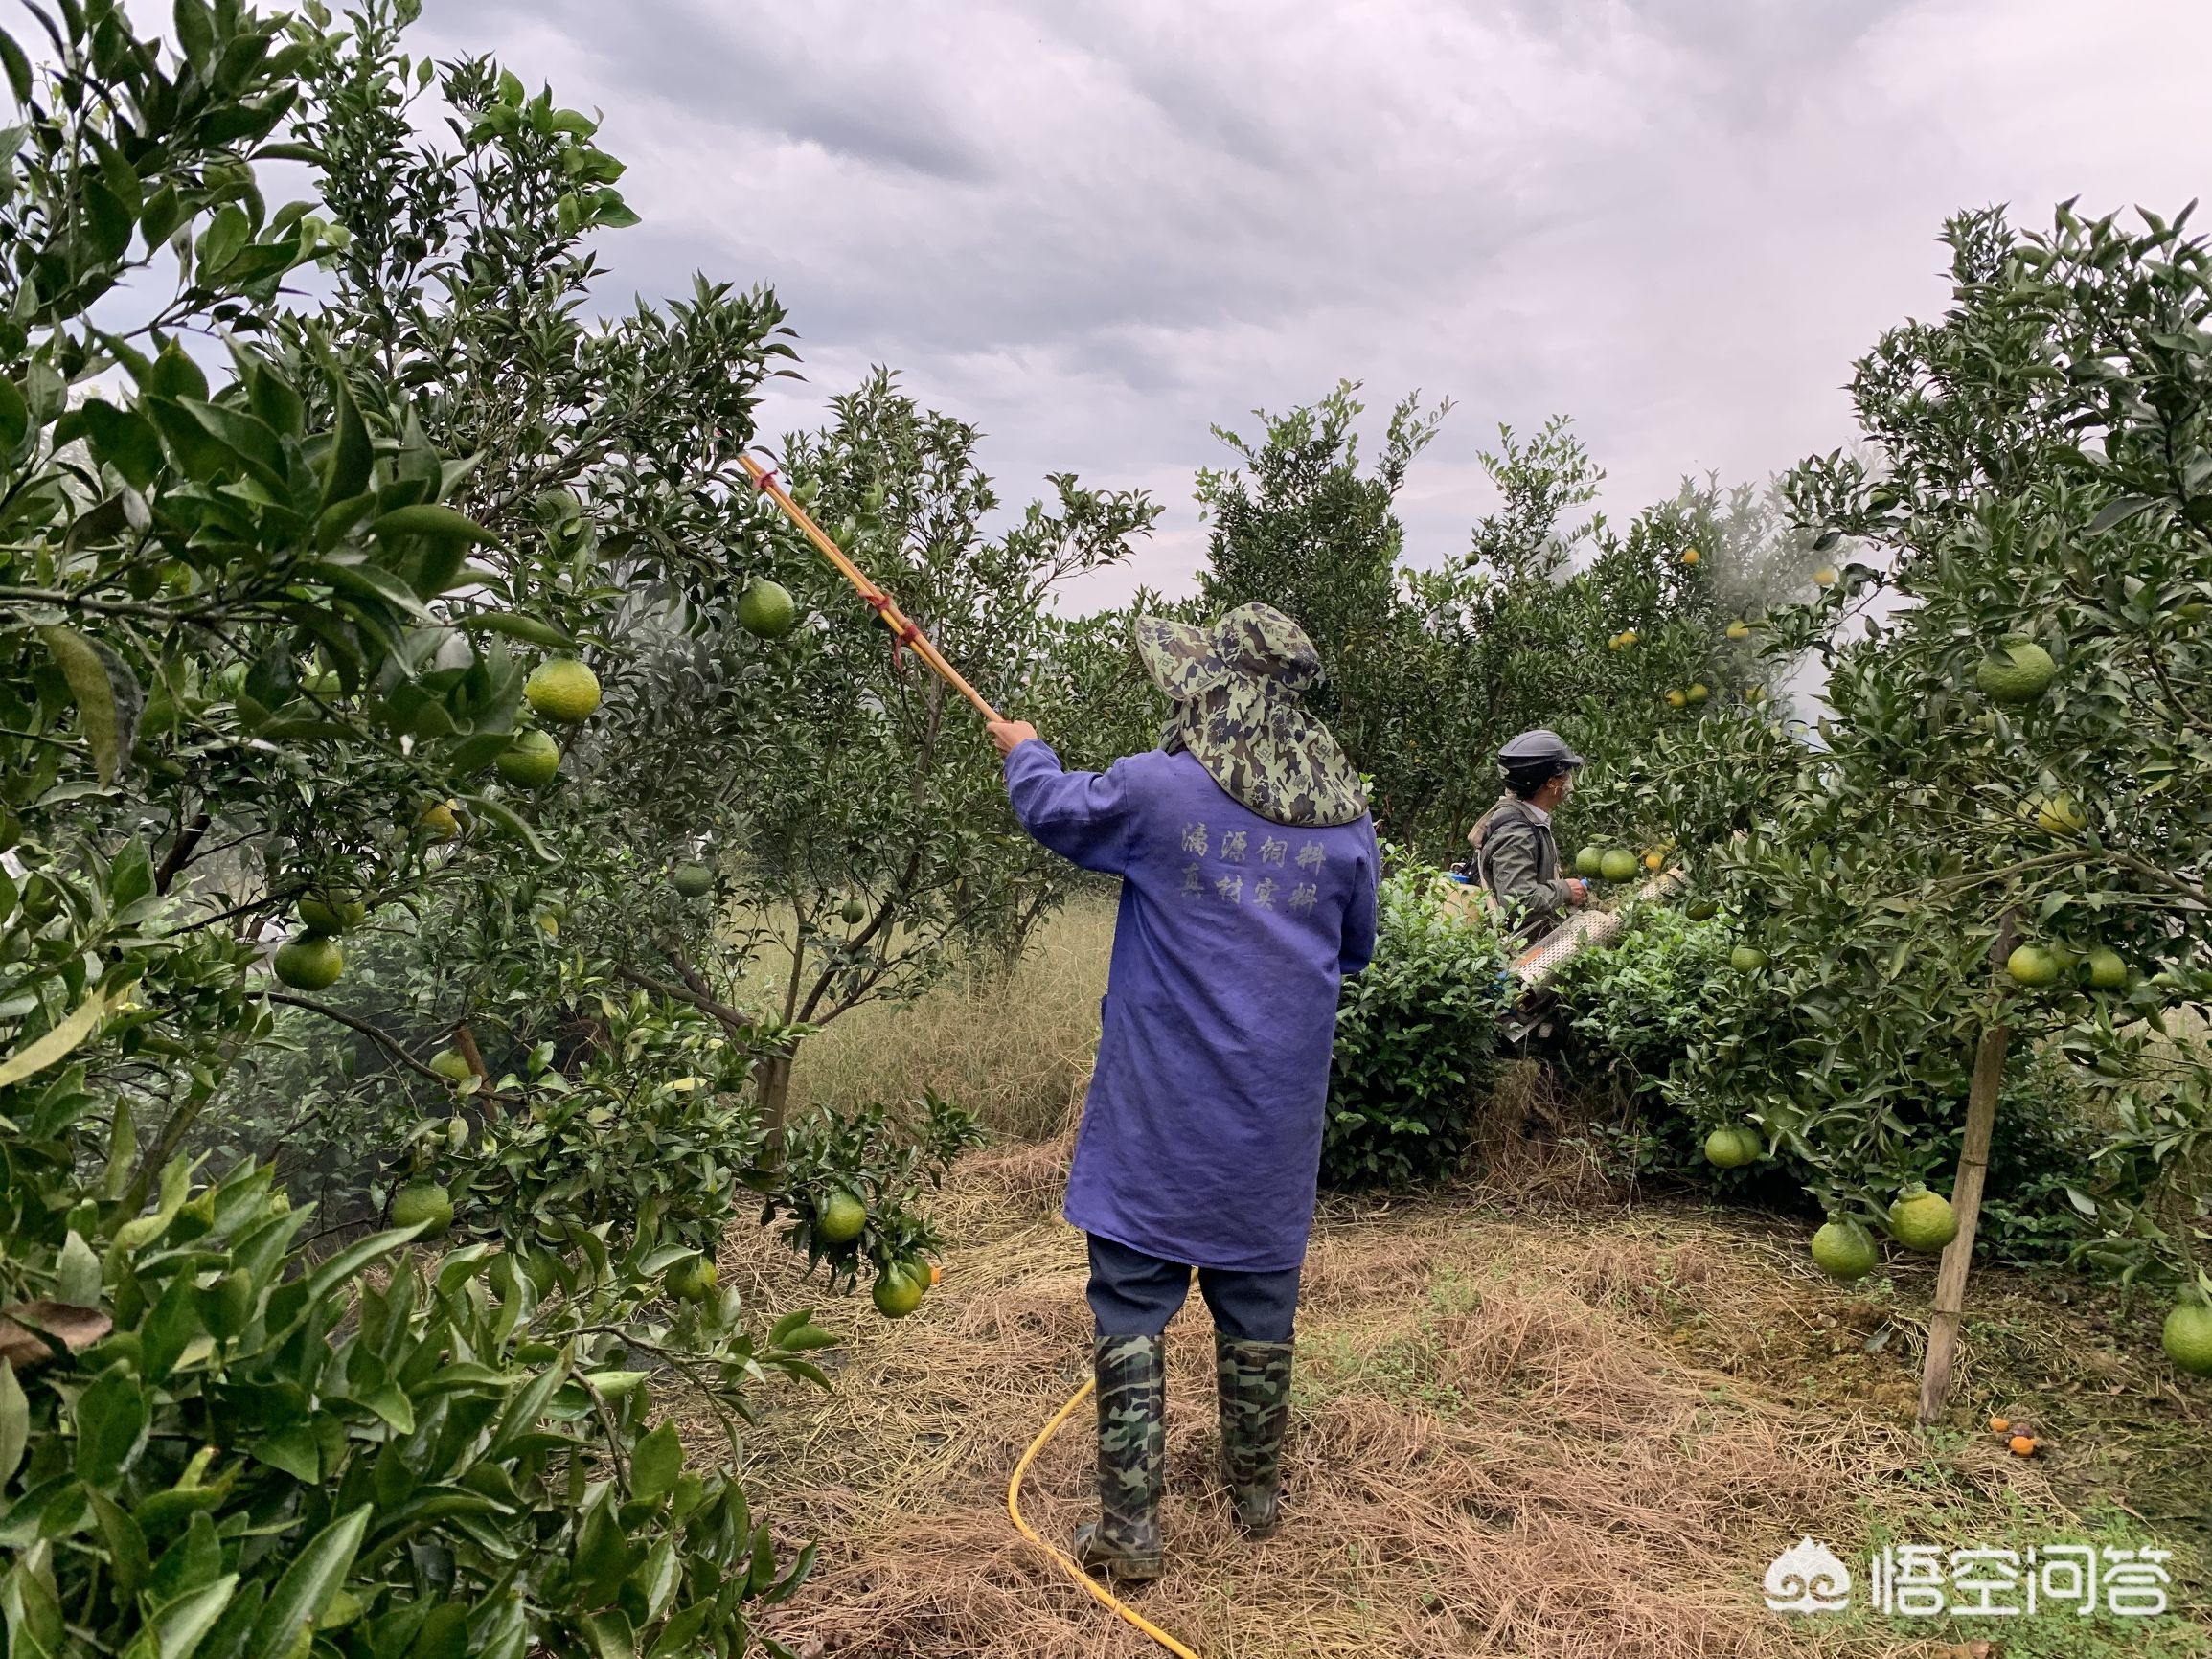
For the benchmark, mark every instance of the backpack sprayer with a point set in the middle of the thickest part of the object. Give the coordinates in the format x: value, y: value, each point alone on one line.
x: 905, y: 633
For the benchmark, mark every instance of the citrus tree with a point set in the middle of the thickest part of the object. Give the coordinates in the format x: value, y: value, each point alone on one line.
x: 280, y: 661
x: 861, y: 833
x: 1995, y: 853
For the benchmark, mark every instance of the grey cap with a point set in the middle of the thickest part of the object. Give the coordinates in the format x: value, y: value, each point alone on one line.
x: 1540, y: 750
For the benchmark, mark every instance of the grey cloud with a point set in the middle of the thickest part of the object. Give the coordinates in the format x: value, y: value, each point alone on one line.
x: 1096, y: 229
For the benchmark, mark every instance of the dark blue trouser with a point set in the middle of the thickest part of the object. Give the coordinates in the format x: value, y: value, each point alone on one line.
x: 1133, y: 1294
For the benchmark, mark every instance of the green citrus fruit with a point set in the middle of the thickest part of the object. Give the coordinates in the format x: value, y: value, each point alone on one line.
x: 562, y: 689
x: 1824, y: 576
x: 1844, y: 1250
x: 1590, y: 861
x: 531, y: 761
x: 1699, y: 692
x: 425, y: 1201
x: 2018, y: 674
x: 1921, y: 1220
x: 1677, y: 699
x: 841, y: 1218
x: 766, y: 612
x: 2188, y: 1338
x: 2033, y: 965
x: 692, y: 1280
x: 694, y: 880
x: 1618, y: 864
x: 310, y: 962
x: 548, y: 924
x: 1738, y: 630
x: 855, y: 913
x: 2107, y: 969
x: 1747, y: 959
x: 332, y: 910
x: 452, y: 1066
x: 897, y: 1292
x: 1733, y: 1145
x: 1702, y: 909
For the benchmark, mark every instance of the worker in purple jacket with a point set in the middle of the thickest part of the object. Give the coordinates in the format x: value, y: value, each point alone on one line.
x: 1248, y: 870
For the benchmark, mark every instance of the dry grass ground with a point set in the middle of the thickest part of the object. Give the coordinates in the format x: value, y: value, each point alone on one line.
x: 1530, y: 1419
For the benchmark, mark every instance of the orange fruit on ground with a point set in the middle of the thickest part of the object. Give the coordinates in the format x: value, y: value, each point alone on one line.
x: 2022, y: 1444
x: 1999, y: 1424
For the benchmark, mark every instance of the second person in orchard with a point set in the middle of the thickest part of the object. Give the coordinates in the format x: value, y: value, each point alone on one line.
x: 1248, y: 870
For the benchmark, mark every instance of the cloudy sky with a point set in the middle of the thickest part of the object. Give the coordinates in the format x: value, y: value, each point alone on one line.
x: 1096, y: 229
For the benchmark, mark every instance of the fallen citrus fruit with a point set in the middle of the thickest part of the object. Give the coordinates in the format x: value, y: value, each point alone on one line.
x: 2187, y: 1338
x: 2024, y: 1445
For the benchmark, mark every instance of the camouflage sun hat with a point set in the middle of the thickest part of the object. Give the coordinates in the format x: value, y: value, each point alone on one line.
x: 1234, y: 689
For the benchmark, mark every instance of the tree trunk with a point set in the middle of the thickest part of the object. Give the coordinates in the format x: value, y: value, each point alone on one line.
x: 775, y: 1091
x: 1981, y: 1111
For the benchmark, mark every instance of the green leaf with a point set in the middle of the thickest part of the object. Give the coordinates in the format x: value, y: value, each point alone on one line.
x: 108, y: 693
x: 294, y: 1451
x: 14, y: 415
x: 352, y: 458
x: 126, y: 1558
x: 177, y: 1630
x: 515, y: 626
x: 20, y: 78
x: 2119, y: 511
x: 37, y: 1055
x: 124, y: 439
x: 508, y: 819
x: 305, y: 1589
x: 76, y: 1270
x: 112, y: 1416
x: 14, y: 1421
x: 435, y: 521
x: 655, y: 1463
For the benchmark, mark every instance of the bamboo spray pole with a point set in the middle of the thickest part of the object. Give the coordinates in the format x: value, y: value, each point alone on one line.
x: 902, y: 628
x: 1981, y: 1111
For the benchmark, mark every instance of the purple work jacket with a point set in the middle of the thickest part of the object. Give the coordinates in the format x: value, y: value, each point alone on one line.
x: 1202, y: 1136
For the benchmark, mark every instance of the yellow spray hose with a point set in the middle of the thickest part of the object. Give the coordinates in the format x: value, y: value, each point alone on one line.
x: 1068, y: 1566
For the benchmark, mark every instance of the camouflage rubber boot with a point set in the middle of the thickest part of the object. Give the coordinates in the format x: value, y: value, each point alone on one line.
x: 1254, y: 1380
x: 1132, y: 1454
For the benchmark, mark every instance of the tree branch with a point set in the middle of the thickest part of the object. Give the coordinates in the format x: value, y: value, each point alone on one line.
x: 736, y: 1018
x: 385, y: 1039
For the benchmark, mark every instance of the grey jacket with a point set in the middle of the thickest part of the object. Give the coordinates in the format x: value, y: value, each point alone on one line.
x: 1516, y: 857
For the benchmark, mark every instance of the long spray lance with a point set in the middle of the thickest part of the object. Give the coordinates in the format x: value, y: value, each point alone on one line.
x: 904, y: 631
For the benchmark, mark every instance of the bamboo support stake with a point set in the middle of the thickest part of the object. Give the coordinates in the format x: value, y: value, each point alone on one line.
x: 1981, y: 1111
x: 896, y: 620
